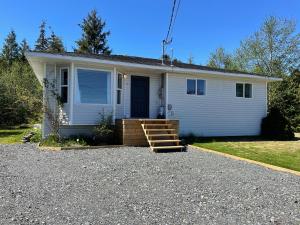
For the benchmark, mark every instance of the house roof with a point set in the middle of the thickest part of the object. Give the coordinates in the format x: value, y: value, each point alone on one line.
x: 148, y: 61
x: 34, y: 57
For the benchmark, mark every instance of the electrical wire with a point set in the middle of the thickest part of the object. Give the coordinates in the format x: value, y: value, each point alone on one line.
x: 171, y: 21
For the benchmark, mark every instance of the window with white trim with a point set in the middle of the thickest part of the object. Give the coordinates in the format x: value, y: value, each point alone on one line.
x: 93, y: 86
x: 196, y: 87
x: 243, y: 90
x: 64, y: 84
x: 119, y: 88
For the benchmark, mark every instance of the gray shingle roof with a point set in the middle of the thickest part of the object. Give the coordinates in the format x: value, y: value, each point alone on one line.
x: 148, y: 61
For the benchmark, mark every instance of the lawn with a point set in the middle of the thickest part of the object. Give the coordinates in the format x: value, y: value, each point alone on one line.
x: 279, y: 153
x: 13, y: 136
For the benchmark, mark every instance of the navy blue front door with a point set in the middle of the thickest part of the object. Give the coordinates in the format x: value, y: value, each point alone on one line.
x: 139, y: 97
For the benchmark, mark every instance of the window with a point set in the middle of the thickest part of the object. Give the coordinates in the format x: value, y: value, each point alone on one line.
x: 196, y: 87
x: 64, y: 81
x: 93, y: 86
x: 119, y: 88
x: 191, y: 87
x: 244, y: 90
x: 239, y: 90
x: 200, y: 87
x: 248, y: 90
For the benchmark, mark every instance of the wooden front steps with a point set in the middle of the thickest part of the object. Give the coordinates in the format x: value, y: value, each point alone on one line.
x: 161, y: 134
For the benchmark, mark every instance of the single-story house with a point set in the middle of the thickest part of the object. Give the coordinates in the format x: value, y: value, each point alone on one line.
x: 205, y: 101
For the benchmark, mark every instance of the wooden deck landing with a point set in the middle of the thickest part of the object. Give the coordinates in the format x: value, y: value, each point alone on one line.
x: 160, y: 133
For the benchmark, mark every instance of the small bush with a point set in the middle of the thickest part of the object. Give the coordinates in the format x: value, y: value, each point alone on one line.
x: 51, y: 141
x: 104, y: 132
x: 54, y: 141
x: 276, y: 126
x: 37, y: 137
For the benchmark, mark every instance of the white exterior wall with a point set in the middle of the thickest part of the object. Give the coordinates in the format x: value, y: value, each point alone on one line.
x: 154, y: 101
x: 219, y: 112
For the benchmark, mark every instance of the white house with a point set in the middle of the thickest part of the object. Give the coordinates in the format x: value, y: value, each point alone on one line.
x: 205, y: 101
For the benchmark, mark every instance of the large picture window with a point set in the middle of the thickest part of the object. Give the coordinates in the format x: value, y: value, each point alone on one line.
x: 93, y: 86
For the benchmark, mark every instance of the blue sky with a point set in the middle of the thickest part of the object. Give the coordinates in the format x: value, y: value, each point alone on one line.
x: 138, y: 26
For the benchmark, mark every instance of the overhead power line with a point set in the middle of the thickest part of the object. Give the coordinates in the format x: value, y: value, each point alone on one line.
x: 168, y: 38
x: 171, y: 20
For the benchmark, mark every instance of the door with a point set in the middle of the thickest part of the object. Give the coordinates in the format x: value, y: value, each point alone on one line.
x: 139, y: 97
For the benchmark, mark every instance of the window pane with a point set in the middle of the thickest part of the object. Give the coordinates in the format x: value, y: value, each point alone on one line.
x: 200, y: 87
x: 93, y: 86
x: 118, y: 96
x: 120, y: 81
x: 239, y: 90
x: 64, y: 77
x: 191, y: 87
x: 248, y: 90
x: 64, y: 94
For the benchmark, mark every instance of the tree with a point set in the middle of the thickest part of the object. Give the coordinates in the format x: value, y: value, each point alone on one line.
x: 191, y: 59
x: 24, y: 47
x: 94, y: 38
x: 10, y: 48
x: 42, y: 41
x: 273, y: 50
x: 55, y: 44
x: 221, y: 60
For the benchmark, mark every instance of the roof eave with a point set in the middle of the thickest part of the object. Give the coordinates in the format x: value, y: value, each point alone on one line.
x: 164, y: 68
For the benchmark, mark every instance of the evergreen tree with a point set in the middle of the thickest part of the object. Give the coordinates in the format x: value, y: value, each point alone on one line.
x: 24, y: 47
x: 10, y: 48
x: 94, y: 38
x: 42, y: 41
x: 55, y: 44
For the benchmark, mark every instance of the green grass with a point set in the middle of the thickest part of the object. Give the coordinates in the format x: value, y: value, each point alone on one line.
x: 279, y: 153
x: 13, y: 136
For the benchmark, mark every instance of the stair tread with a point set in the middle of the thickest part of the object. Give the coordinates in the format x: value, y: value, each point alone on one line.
x: 168, y: 147
x: 157, y: 124
x: 159, y: 135
x: 161, y: 129
x: 162, y: 141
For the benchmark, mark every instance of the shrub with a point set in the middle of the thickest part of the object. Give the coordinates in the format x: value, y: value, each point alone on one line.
x: 52, y: 140
x: 104, y: 131
x: 276, y: 126
x: 37, y: 137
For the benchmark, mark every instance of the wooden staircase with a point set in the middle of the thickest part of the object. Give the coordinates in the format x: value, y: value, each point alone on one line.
x: 161, y: 134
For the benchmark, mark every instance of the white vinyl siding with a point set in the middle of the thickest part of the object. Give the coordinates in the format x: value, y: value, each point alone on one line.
x: 219, y: 112
x: 154, y: 87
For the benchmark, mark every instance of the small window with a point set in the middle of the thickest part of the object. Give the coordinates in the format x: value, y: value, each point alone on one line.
x: 248, y: 90
x: 191, y: 87
x: 239, y: 90
x: 64, y: 81
x: 200, y: 87
x: 120, y: 81
x: 119, y: 88
x: 118, y: 96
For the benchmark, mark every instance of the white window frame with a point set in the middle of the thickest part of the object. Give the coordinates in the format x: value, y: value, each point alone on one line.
x: 196, y: 79
x: 244, y: 90
x: 95, y: 69
x: 119, y: 89
x: 63, y: 85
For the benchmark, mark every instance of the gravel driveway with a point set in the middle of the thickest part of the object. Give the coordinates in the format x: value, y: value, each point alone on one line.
x: 135, y: 186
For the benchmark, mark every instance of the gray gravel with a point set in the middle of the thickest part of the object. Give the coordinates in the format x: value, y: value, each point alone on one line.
x: 135, y: 186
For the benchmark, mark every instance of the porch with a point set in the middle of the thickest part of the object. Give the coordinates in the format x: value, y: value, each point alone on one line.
x: 158, y: 134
